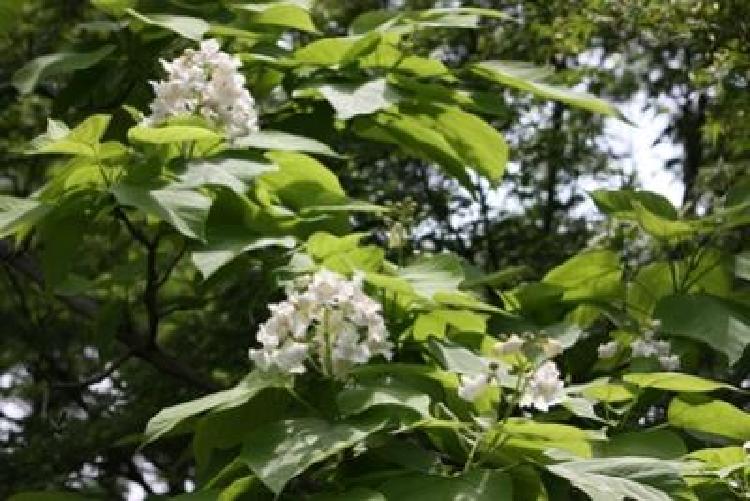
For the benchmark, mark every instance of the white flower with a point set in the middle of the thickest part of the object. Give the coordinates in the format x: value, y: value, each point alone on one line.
x: 643, y: 348
x: 471, y: 385
x: 331, y: 319
x: 746, y: 446
x: 670, y: 362
x: 663, y: 348
x: 552, y: 348
x: 608, y: 350
x: 205, y: 83
x: 545, y: 388
x: 512, y: 345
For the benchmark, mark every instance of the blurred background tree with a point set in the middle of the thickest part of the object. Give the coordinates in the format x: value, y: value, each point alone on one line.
x: 72, y: 384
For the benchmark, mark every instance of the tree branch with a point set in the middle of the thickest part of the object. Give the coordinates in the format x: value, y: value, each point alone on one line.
x: 89, y: 307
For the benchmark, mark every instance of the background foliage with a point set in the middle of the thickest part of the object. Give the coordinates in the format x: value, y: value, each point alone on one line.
x: 120, y: 299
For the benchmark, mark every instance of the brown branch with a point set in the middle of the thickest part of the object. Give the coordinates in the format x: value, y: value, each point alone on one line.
x: 141, y: 345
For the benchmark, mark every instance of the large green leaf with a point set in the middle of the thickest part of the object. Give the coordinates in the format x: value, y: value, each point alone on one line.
x: 524, y: 438
x: 185, y: 210
x: 350, y: 100
x: 280, y: 451
x: 301, y: 181
x: 476, y: 485
x: 171, y: 134
x: 356, y: 494
x: 619, y: 203
x: 625, y: 478
x: 415, y: 137
x: 722, y: 325
x: 526, y: 77
x: 592, y: 274
x: 742, y: 265
x: 230, y: 233
x: 16, y: 212
x: 480, y: 145
x: 217, y: 253
x: 279, y: 15
x: 653, y: 443
x: 83, y: 140
x: 42, y: 67
x: 192, y: 28
x: 10, y: 11
x: 716, y: 417
x: 661, y: 227
x: 674, y: 381
x: 430, y: 275
x: 447, y: 135
x: 167, y: 419
x: 359, y: 399
x: 233, y: 173
x: 284, y: 141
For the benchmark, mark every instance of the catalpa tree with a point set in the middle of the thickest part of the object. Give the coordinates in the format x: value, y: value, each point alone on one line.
x: 371, y: 371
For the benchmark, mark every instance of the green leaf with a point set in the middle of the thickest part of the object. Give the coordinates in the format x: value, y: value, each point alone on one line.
x: 608, y: 392
x: 525, y: 438
x: 619, y: 203
x: 524, y: 77
x: 626, y: 478
x: 653, y: 443
x: 171, y: 134
x: 10, y: 11
x: 480, y: 145
x: 84, y: 140
x: 167, y: 419
x: 280, y: 16
x: 593, y: 274
x: 350, y: 100
x: 280, y: 451
x: 430, y: 275
x: 356, y: 494
x: 456, y: 140
x: 660, y: 227
x: 415, y: 137
x: 722, y: 325
x: 301, y: 181
x: 188, y: 27
x: 233, y: 173
x: 284, y: 141
x: 476, y: 485
x: 674, y: 381
x: 217, y: 253
x: 18, y: 212
x: 359, y: 399
x: 42, y: 67
x: 185, y: 210
x: 716, y: 417
x: 742, y: 265
x: 114, y: 7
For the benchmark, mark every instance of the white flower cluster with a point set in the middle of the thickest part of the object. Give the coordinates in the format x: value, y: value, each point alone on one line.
x: 332, y: 324
x: 545, y: 388
x: 646, y: 347
x: 472, y: 385
x: 205, y: 83
x: 515, y: 344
